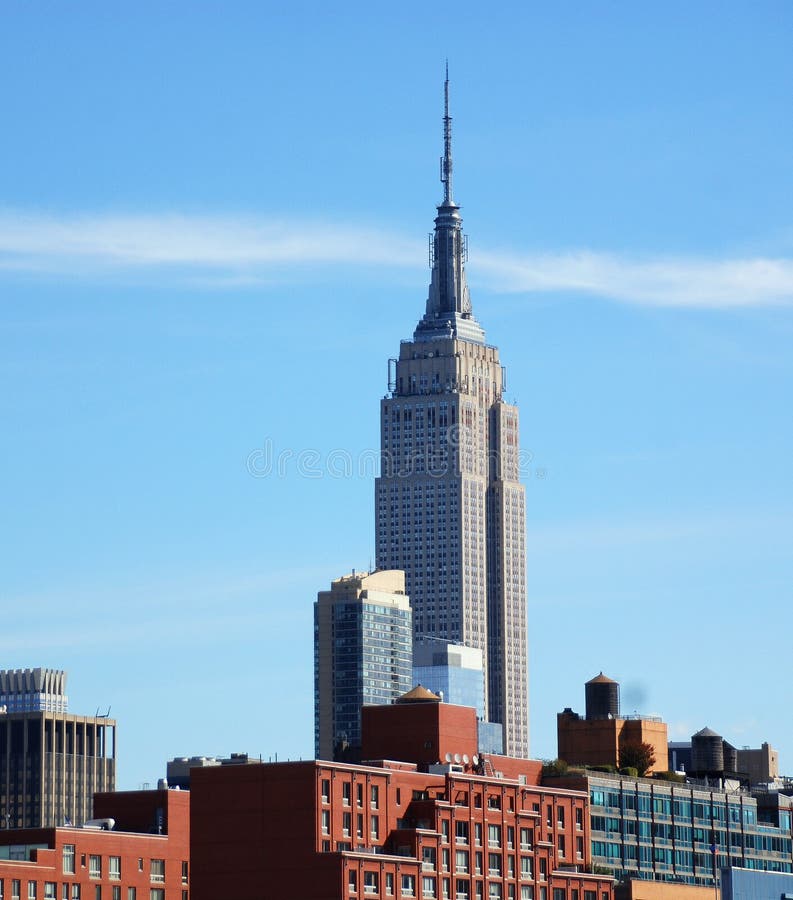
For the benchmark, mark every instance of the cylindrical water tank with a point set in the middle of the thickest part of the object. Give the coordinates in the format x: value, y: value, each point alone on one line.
x: 730, y: 757
x: 707, y: 752
x: 602, y: 698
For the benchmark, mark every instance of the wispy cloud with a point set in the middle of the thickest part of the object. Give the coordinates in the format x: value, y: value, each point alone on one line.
x: 237, y: 251
x: 659, y: 281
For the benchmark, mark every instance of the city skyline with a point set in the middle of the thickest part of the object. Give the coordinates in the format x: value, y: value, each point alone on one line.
x: 213, y: 228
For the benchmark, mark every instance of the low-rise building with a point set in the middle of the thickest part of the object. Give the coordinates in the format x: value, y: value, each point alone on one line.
x: 424, y: 816
x: 137, y: 848
x: 599, y: 737
x: 654, y: 829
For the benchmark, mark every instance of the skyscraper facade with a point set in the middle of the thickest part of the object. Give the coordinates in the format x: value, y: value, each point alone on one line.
x: 450, y: 510
x: 362, y: 655
x: 51, y: 761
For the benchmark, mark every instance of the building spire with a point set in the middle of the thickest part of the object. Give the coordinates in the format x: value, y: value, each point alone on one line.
x: 448, y: 311
x: 446, y: 161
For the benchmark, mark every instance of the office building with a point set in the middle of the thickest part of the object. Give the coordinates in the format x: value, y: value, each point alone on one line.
x: 599, y: 737
x: 51, y: 761
x: 654, y: 829
x: 136, y: 848
x: 450, y: 509
x: 456, y: 674
x: 362, y: 654
x: 405, y: 824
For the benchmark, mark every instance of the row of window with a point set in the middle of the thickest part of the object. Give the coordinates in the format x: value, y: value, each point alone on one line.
x: 156, y: 866
x: 462, y: 888
x: 71, y: 891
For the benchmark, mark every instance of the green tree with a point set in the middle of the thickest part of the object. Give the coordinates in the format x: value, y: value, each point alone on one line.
x: 637, y: 755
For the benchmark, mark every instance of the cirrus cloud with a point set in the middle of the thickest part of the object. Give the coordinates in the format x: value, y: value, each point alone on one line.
x: 240, y: 251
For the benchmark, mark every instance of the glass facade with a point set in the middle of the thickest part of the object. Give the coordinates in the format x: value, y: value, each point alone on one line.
x: 363, y: 655
x: 681, y: 832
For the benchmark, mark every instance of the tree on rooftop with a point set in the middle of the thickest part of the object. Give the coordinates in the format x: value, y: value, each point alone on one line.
x: 637, y: 755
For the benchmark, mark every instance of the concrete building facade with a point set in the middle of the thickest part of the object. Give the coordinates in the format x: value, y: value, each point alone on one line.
x: 450, y: 508
x: 362, y: 655
x: 51, y: 761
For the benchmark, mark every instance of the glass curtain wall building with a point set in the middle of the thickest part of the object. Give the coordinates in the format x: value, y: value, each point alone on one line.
x: 659, y: 830
x: 362, y: 655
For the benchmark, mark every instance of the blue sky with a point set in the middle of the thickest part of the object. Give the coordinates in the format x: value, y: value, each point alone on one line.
x: 213, y: 224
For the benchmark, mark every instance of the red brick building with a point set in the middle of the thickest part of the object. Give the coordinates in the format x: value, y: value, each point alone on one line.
x: 411, y: 826
x: 145, y: 856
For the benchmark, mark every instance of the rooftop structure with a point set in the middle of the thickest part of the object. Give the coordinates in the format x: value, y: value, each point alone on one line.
x: 33, y: 690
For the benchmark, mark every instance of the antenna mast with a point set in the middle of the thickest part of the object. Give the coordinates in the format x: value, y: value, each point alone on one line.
x: 446, y: 161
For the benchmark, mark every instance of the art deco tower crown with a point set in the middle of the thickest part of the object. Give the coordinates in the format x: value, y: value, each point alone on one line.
x: 450, y: 509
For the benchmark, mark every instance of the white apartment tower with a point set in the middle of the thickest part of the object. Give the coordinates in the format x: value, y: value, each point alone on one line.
x: 450, y: 509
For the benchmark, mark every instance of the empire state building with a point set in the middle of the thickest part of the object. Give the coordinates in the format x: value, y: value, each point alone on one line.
x: 450, y: 509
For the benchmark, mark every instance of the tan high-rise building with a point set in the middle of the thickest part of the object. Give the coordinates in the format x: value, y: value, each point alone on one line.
x: 449, y: 506
x: 362, y: 656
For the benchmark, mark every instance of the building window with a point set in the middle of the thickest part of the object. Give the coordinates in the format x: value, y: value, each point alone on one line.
x: 76, y: 892
x: 375, y: 827
x: 346, y: 824
x: 325, y: 790
x: 375, y: 796
x: 31, y: 890
x: 359, y: 825
x: 461, y: 832
x: 98, y: 892
x: 185, y: 895
x: 346, y: 790
x: 527, y: 892
x: 389, y: 883
x: 371, y: 883
x: 494, y: 864
x: 16, y: 887
x: 352, y: 880
x: 132, y: 893
x: 478, y: 833
x: 445, y: 831
x: 359, y: 794
x: 428, y: 886
x: 558, y: 894
x: 408, y: 886
x: 68, y: 859
x: 50, y: 890
x: 185, y: 869
x: 157, y: 870
x: 579, y: 819
x: 461, y: 861
x: 494, y: 835
x: 156, y: 893
x: 116, y: 892
x: 114, y: 868
x: 494, y: 891
x: 326, y: 821
x: 94, y: 866
x: 579, y: 848
x: 560, y: 846
x: 560, y: 816
x: 525, y: 868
